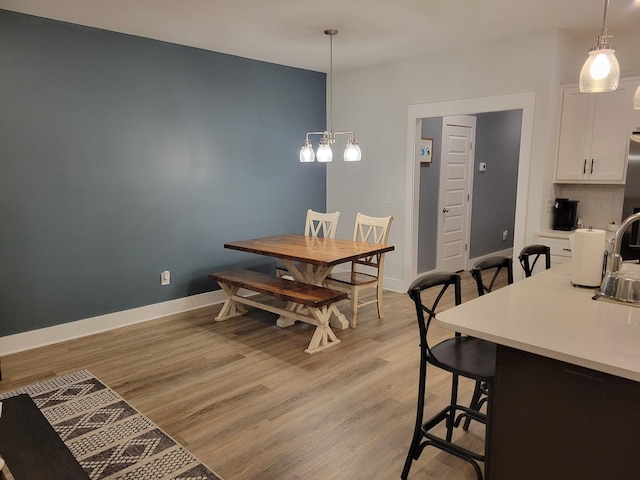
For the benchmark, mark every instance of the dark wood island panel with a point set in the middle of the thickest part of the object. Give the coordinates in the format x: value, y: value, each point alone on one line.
x: 554, y: 420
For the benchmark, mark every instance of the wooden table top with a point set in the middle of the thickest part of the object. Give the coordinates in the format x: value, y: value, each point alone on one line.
x: 326, y: 252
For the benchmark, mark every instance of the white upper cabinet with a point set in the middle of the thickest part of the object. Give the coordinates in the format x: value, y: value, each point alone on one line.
x: 594, y: 136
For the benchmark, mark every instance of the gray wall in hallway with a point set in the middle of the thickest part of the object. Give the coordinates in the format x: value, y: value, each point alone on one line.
x: 121, y: 157
x: 494, y: 191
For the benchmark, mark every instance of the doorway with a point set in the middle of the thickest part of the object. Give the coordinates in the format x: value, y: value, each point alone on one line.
x: 456, y: 172
x: 522, y: 101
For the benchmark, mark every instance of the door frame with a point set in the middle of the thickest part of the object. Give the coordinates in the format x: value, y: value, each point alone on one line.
x: 464, y: 121
x: 524, y: 101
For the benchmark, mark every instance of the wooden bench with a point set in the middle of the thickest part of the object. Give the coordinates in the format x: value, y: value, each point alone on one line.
x: 298, y: 295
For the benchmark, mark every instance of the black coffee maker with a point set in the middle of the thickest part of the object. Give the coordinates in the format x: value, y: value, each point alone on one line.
x: 565, y: 214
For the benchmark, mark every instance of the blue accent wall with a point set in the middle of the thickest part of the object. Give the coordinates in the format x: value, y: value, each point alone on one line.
x: 121, y: 157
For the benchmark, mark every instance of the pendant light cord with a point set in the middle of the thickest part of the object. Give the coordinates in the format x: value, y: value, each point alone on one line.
x: 331, y: 83
x: 331, y: 33
x: 602, y: 39
x: 604, y: 18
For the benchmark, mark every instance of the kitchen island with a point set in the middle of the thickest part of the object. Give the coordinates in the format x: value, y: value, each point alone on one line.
x: 565, y: 403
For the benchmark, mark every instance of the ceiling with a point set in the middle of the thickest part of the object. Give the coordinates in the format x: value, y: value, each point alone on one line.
x: 290, y: 32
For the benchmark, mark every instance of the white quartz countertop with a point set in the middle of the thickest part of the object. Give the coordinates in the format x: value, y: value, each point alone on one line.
x: 546, y: 315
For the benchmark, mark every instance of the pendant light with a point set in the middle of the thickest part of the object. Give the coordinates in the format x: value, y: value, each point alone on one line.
x: 324, y: 153
x: 601, y: 72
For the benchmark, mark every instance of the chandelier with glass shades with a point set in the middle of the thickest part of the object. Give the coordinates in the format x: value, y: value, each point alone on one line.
x: 601, y: 72
x: 328, y: 137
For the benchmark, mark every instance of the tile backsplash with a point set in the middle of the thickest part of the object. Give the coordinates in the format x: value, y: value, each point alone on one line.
x: 598, y: 205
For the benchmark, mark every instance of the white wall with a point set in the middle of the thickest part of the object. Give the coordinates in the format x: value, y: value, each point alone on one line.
x: 374, y: 102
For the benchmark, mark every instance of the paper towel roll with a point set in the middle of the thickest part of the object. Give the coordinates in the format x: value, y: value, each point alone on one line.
x: 587, y: 252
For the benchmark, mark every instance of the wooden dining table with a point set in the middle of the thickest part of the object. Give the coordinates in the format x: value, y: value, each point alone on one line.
x: 310, y: 260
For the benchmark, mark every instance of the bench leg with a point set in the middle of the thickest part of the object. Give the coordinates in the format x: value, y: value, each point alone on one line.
x: 323, y: 336
x: 285, y: 321
x: 230, y: 309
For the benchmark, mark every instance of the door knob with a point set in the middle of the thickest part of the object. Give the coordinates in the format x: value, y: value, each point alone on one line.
x: 445, y: 210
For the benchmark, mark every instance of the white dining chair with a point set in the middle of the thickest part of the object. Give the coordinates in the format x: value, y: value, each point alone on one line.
x: 366, y: 273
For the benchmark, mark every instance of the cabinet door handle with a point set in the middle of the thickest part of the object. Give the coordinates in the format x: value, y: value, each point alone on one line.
x: 584, y: 168
x: 592, y: 165
x: 445, y: 210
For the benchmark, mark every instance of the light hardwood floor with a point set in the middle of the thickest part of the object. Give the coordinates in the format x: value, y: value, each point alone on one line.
x: 243, y: 396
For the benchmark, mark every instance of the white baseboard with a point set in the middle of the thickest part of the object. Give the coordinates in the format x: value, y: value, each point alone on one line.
x: 20, y: 342
x: 394, y: 285
x: 89, y: 326
x: 507, y: 252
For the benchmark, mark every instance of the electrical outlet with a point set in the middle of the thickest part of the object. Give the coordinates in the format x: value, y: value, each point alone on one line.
x: 505, y: 234
x: 165, y: 277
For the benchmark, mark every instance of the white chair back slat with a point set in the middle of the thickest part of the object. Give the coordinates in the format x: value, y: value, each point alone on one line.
x: 318, y: 222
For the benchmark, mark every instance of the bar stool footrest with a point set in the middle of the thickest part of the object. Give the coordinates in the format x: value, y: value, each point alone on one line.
x: 444, y: 415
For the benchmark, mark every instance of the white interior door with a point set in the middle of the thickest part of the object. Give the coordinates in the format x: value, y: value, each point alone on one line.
x: 458, y: 134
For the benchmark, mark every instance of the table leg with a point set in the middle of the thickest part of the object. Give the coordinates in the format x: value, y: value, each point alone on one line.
x: 314, y: 274
x: 337, y: 318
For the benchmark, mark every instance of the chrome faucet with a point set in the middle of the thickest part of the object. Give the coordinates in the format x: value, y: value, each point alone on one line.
x: 616, y: 258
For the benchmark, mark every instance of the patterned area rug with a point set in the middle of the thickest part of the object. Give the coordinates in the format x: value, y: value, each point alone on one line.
x: 108, y: 437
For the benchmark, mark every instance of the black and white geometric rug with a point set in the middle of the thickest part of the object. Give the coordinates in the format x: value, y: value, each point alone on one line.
x: 109, y: 438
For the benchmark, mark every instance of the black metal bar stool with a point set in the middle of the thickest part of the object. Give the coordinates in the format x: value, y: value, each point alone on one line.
x: 535, y: 252
x: 462, y: 356
x: 489, y: 265
x: 492, y: 263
